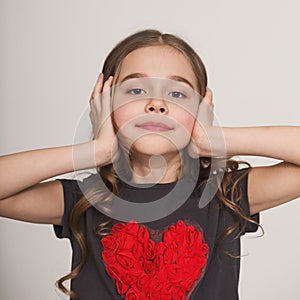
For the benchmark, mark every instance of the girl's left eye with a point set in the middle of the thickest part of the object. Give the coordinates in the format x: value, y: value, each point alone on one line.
x: 177, y: 94
x: 136, y: 92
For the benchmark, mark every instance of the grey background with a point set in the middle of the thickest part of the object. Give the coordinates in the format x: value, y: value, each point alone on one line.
x: 51, y: 54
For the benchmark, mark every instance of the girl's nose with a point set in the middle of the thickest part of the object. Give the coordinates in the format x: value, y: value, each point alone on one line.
x: 156, y: 106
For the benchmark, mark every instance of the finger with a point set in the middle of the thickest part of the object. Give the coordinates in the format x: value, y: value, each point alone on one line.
x: 208, y: 97
x: 100, y: 91
x: 105, y: 103
x: 106, y: 120
x: 97, y: 87
x: 107, y: 83
x: 204, y: 114
x: 100, y: 105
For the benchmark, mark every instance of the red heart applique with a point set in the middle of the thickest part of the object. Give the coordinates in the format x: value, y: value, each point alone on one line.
x: 143, y: 269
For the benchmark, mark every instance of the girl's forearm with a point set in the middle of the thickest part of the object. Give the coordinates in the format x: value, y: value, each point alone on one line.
x: 279, y: 142
x: 21, y: 170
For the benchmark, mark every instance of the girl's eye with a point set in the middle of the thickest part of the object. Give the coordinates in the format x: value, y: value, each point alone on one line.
x: 177, y: 94
x: 136, y: 92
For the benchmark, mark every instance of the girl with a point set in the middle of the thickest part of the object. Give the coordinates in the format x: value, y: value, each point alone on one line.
x: 143, y: 226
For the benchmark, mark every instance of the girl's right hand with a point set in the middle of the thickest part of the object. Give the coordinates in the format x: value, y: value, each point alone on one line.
x: 106, y: 146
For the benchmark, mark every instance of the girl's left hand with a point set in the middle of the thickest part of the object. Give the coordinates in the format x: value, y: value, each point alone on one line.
x: 201, y: 143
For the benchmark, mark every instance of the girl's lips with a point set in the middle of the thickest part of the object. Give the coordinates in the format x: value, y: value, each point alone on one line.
x: 154, y: 126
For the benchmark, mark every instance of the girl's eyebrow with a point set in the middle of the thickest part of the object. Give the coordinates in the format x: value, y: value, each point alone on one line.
x: 141, y: 75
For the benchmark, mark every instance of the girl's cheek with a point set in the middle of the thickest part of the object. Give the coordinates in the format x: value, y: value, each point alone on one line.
x: 187, y: 121
x: 124, y: 114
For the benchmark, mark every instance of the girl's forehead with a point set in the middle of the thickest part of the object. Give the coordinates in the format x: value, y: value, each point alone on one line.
x: 157, y: 61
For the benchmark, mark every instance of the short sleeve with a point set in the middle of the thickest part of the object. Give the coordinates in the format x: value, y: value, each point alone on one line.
x: 72, y: 194
x: 244, y: 203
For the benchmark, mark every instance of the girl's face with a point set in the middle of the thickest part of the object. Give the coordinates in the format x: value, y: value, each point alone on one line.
x: 155, y: 100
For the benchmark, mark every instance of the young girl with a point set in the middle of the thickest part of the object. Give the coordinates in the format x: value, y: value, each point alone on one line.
x: 162, y: 216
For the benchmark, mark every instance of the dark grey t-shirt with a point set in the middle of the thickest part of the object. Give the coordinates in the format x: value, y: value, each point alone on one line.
x: 221, y: 276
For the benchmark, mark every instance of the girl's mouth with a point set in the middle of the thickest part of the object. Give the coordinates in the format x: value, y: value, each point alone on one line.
x: 154, y: 126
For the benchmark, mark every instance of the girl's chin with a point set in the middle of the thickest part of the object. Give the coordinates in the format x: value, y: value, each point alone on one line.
x: 156, y: 146
x: 154, y: 143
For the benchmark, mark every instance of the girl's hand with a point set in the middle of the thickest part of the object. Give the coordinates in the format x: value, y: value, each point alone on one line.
x: 206, y: 140
x: 106, y: 146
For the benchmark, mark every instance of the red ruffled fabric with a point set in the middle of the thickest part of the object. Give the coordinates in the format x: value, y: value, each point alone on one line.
x: 143, y: 269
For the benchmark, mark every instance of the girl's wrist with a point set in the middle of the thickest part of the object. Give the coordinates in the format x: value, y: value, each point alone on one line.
x: 239, y: 140
x: 102, y: 156
x: 91, y: 154
x: 223, y: 141
x: 212, y: 142
x: 252, y: 141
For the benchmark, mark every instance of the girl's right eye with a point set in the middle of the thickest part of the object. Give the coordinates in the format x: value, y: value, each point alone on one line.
x: 136, y: 92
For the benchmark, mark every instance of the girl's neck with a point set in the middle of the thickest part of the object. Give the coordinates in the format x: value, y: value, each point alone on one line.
x: 155, y: 169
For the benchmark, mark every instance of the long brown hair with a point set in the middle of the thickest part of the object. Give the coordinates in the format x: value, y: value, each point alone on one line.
x: 144, y: 38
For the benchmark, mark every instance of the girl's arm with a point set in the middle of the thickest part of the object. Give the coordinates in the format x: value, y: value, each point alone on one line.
x: 41, y: 203
x: 21, y: 170
x: 279, y: 142
x: 268, y: 186
x: 23, y: 197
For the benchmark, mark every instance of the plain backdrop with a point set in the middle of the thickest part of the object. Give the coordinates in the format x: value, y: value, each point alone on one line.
x: 51, y: 55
